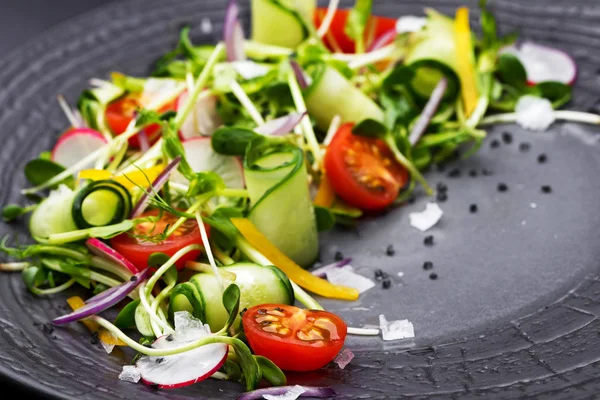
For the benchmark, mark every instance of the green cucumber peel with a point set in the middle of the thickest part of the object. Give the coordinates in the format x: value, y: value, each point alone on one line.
x: 276, y: 179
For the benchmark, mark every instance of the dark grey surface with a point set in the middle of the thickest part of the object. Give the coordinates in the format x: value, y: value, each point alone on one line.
x: 514, y: 311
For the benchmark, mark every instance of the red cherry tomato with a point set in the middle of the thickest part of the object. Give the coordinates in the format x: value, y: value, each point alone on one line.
x: 120, y: 112
x: 138, y: 250
x: 363, y: 171
x: 376, y: 27
x: 294, y: 339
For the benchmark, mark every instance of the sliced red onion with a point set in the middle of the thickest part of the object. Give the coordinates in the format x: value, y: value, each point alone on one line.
x: 322, y: 272
x: 234, y: 34
x: 101, y: 249
x: 144, y: 143
x: 158, y: 183
x: 280, y: 126
x: 300, y: 75
x: 309, y: 391
x: 95, y: 306
x: 383, y: 40
x: 428, y: 112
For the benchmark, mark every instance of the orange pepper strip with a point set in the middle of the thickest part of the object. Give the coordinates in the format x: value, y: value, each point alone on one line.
x: 325, y: 195
x: 466, y: 69
x: 296, y: 273
x: 105, y: 336
x: 130, y: 180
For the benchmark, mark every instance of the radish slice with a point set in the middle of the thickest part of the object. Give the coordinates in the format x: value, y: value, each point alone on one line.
x: 544, y: 63
x: 76, y: 144
x: 100, y: 249
x: 201, y: 157
x: 204, y: 118
x: 186, y: 368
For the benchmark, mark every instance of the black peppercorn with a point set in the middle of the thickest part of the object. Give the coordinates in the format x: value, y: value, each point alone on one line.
x: 442, y: 197
x: 525, y: 146
x: 390, y: 250
x: 495, y: 143
x: 433, y: 276
x: 542, y: 158
x: 454, y: 173
x: 473, y: 208
x: 502, y: 187
x: 378, y: 274
x: 441, y: 187
x: 338, y: 256
x: 428, y: 241
x: 427, y: 265
x: 546, y: 189
x: 473, y: 173
x: 507, y: 137
x: 386, y: 284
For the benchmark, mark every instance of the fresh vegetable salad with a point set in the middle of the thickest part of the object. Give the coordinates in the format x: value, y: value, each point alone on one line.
x: 191, y: 201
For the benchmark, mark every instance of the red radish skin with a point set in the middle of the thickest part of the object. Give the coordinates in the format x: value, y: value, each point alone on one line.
x: 101, y: 249
x: 544, y: 63
x: 200, y: 379
x: 75, y: 144
x: 202, y: 157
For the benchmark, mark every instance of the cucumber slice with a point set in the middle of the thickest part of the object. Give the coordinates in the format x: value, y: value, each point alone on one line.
x: 282, y: 210
x: 258, y: 285
x: 53, y: 215
x: 332, y: 94
x: 101, y: 203
x: 142, y: 321
x: 281, y: 23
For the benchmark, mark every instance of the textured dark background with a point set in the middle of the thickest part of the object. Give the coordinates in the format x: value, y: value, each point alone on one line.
x: 514, y: 312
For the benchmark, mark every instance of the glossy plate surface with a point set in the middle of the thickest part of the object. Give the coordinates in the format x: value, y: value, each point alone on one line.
x: 514, y: 311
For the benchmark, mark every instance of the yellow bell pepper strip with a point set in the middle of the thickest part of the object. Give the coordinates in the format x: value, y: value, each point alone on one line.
x: 296, y: 273
x: 464, y: 60
x: 325, y: 195
x: 130, y: 180
x: 105, y: 336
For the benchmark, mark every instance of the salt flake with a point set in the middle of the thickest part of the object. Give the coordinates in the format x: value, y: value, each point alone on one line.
x: 107, y: 347
x: 394, y: 330
x: 346, y: 277
x: 427, y: 218
x: 344, y: 358
x: 291, y: 394
x: 410, y: 23
x: 206, y: 25
x: 534, y: 113
x: 188, y: 327
x: 130, y: 373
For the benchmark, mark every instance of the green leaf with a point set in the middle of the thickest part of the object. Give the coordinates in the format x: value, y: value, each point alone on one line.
x: 558, y: 93
x: 250, y: 367
x: 325, y: 218
x: 232, y: 370
x: 400, y: 75
x: 172, y: 147
x: 231, y: 301
x: 126, y: 317
x: 511, y: 71
x: 158, y: 259
x: 14, y: 211
x: 232, y: 141
x: 271, y: 372
x: 357, y: 21
x: 204, y: 182
x: 33, y: 277
x: 225, y: 233
x: 40, y: 171
x: 370, y: 128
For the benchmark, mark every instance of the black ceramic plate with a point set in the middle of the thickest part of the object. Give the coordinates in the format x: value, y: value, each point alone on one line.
x: 514, y: 311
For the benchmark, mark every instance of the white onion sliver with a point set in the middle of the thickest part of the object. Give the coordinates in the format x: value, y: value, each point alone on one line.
x: 344, y: 358
x: 346, y: 277
x: 427, y: 218
x: 291, y: 394
x: 534, y: 113
x: 395, y: 330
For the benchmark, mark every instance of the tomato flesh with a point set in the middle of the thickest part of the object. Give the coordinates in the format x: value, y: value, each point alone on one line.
x: 376, y: 27
x: 363, y: 171
x: 138, y: 251
x: 294, y: 339
x: 121, y: 112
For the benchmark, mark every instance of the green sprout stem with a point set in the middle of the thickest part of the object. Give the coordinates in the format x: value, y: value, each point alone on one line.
x: 389, y: 140
x: 54, y: 290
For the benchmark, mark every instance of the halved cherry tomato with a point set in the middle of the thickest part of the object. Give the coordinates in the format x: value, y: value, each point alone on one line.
x: 363, y: 171
x: 293, y: 338
x: 376, y: 27
x: 138, y: 250
x: 120, y: 112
